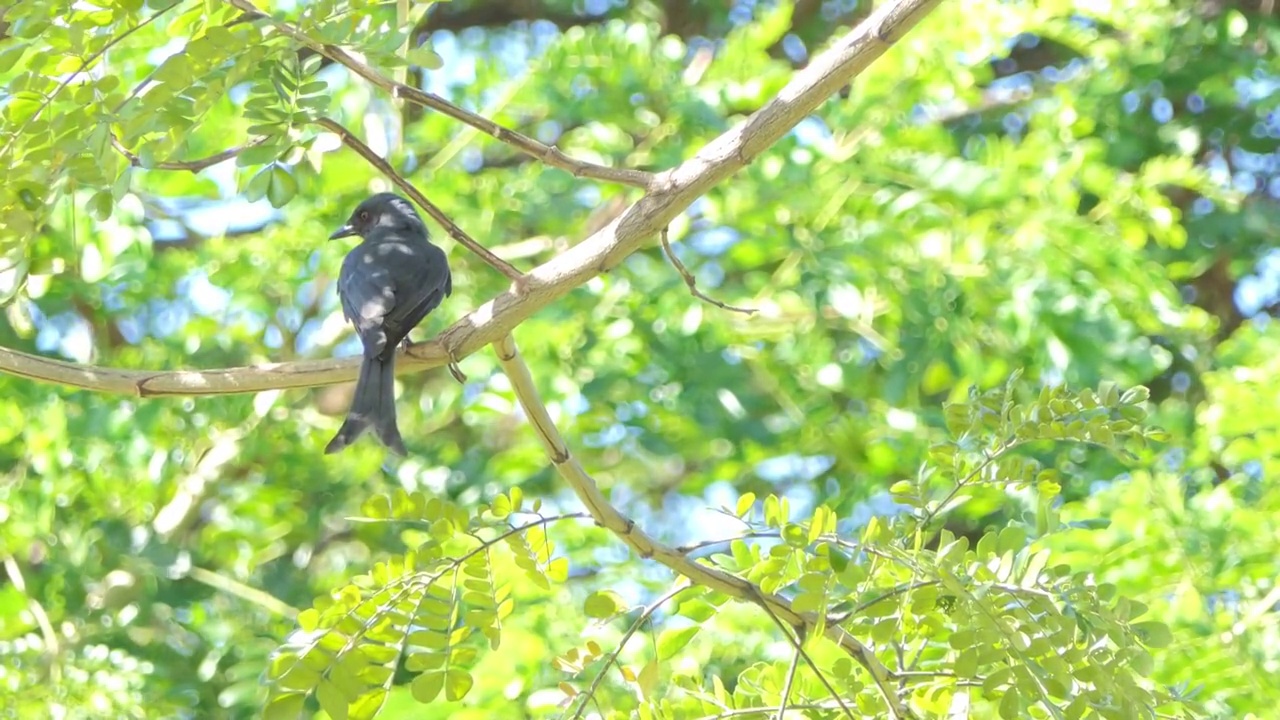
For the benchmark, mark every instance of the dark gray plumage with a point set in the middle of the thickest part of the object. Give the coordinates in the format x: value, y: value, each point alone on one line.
x: 388, y: 284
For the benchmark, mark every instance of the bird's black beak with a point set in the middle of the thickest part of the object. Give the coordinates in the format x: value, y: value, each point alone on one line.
x: 344, y: 231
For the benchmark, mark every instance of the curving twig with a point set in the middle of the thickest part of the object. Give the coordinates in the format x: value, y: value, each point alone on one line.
x: 350, y: 140
x: 672, y: 192
x: 194, y: 166
x: 550, y: 155
x: 609, y: 662
x: 693, y: 284
x: 609, y: 517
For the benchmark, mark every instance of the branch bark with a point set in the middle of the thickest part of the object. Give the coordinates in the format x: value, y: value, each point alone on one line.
x: 547, y: 154
x: 672, y: 192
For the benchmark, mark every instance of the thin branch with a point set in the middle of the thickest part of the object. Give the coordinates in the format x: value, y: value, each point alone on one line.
x: 193, y: 166
x: 891, y: 593
x: 635, y: 626
x: 231, y: 586
x: 695, y: 546
x: 693, y: 284
x: 672, y: 193
x: 51, y: 644
x: 896, y: 709
x: 647, y: 547
x: 764, y: 711
x: 550, y: 155
x: 786, y: 688
x: 455, y: 232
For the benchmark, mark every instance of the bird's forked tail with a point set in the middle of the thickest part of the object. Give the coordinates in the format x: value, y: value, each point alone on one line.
x: 372, y: 406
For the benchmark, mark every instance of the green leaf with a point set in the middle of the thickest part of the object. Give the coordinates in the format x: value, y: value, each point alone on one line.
x: 671, y: 641
x: 299, y: 677
x: 1011, y: 705
x: 745, y: 504
x: 501, y: 507
x: 1035, y: 566
x: 331, y: 700
x: 367, y: 706
x: 427, y: 686
x: 284, y: 707
x: 282, y: 187
x: 308, y: 620
x: 259, y: 154
x: 257, y: 187
x: 1011, y: 539
x: 1153, y: 634
x: 602, y: 604
x: 457, y: 684
x: 558, y: 569
x: 101, y: 205
x: 424, y: 57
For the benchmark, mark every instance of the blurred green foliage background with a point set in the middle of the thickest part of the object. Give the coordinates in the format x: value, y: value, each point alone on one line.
x: 1085, y: 192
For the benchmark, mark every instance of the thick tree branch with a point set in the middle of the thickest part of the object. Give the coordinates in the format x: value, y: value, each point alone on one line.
x: 609, y: 517
x: 672, y: 193
x: 455, y: 232
x: 549, y: 155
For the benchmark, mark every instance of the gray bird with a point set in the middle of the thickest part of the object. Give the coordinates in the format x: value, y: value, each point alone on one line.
x: 388, y: 284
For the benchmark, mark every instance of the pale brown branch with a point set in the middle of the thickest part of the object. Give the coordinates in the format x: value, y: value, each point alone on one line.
x: 609, y: 517
x: 673, y: 192
x: 194, y: 166
x: 350, y: 140
x: 550, y: 155
x: 693, y: 284
x: 231, y: 586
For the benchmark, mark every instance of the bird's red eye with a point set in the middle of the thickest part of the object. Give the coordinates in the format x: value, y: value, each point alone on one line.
x: 364, y: 214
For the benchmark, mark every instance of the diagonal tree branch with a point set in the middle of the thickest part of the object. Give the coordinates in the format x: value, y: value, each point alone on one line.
x: 609, y: 517
x: 455, y: 232
x: 550, y: 155
x: 672, y: 193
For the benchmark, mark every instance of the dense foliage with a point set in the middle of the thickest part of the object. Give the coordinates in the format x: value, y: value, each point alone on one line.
x: 1003, y: 426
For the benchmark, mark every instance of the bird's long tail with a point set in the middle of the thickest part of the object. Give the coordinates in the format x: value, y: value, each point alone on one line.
x: 372, y: 406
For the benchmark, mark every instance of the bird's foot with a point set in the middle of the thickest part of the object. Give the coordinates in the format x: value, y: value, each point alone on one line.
x: 454, y: 370
x: 406, y: 343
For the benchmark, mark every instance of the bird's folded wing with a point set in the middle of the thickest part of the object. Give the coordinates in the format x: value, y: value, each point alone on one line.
x: 367, y: 299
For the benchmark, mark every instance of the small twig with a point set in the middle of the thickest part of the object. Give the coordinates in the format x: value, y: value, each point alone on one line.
x: 693, y: 284
x: 231, y: 586
x: 194, y: 166
x: 51, y: 644
x: 455, y: 232
x: 648, y: 612
x: 764, y: 712
x: 786, y: 688
x: 550, y: 155
x: 896, y: 709
x: 693, y: 547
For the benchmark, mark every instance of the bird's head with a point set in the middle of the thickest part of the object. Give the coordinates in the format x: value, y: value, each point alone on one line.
x: 386, y: 211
